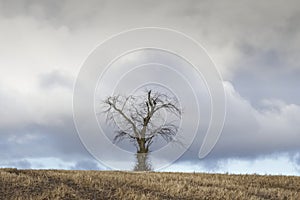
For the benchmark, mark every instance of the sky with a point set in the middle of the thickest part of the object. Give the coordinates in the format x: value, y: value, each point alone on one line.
x: 254, y: 45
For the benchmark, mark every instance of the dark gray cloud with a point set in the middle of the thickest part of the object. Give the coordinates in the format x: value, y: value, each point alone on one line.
x: 36, y: 141
x: 45, y: 146
x: 86, y: 165
x: 20, y: 164
x: 57, y: 13
x: 267, y: 75
x: 56, y: 78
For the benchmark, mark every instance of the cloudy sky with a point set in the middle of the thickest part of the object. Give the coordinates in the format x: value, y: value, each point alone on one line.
x: 255, y: 46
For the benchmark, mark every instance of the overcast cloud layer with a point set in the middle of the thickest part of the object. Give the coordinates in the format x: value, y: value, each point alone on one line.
x: 255, y: 45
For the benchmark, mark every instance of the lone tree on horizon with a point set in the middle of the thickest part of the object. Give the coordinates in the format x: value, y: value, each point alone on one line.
x: 139, y: 119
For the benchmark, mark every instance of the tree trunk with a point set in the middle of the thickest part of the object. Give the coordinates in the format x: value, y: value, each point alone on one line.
x: 142, y: 146
x: 142, y: 162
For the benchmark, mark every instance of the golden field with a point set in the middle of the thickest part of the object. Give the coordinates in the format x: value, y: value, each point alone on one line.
x: 67, y: 184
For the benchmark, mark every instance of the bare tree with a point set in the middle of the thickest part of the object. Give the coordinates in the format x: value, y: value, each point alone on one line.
x: 140, y: 120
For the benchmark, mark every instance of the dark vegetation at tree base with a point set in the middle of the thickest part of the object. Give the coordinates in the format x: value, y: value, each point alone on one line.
x: 64, y: 184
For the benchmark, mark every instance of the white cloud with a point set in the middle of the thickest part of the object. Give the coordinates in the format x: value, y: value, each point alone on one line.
x: 251, y: 131
x: 275, y: 164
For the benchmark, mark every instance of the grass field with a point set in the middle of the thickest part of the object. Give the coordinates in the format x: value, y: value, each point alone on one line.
x: 60, y: 184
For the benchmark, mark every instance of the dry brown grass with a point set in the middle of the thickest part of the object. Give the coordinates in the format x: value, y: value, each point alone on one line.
x: 60, y: 184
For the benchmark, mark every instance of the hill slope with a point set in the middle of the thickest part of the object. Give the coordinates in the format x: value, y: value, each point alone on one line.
x: 61, y: 184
